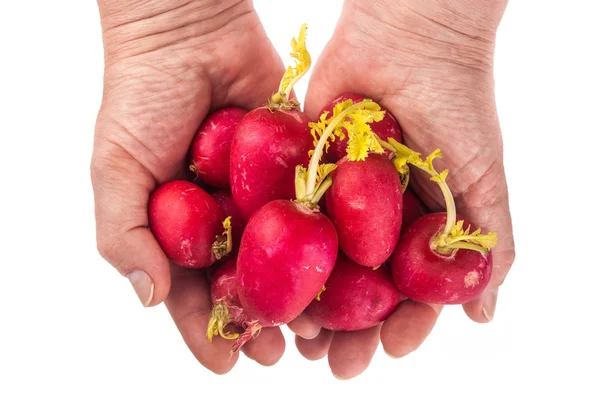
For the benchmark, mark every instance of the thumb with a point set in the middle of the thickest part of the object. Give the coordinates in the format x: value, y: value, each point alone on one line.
x: 121, y: 190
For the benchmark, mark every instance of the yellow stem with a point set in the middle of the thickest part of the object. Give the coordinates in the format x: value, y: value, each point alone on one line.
x: 321, y: 191
x: 318, y: 153
x: 450, y: 207
x: 385, y: 144
x: 463, y: 245
x: 276, y: 98
x: 300, y: 185
x: 290, y: 87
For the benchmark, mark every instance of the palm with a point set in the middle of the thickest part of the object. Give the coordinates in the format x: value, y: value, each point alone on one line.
x: 153, y: 105
x: 161, y: 98
x: 439, y: 104
x: 455, y: 114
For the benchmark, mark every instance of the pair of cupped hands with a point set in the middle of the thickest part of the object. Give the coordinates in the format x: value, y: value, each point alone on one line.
x: 169, y: 63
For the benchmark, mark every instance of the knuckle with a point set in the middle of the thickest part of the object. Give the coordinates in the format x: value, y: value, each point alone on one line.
x: 107, y: 248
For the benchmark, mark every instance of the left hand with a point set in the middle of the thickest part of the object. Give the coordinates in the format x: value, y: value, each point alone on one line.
x: 411, y: 57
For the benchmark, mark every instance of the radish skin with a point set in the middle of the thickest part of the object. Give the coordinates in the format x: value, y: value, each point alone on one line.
x: 412, y: 207
x: 224, y: 290
x: 210, y: 149
x: 424, y: 275
x: 355, y: 297
x: 266, y: 148
x: 287, y: 253
x: 186, y: 221
x: 365, y: 205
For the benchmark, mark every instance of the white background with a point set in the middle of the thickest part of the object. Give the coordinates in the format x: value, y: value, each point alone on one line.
x: 72, y: 328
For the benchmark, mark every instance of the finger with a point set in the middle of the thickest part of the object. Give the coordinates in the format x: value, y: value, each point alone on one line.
x: 330, y: 79
x: 267, y: 348
x: 304, y: 327
x: 350, y: 352
x: 407, y: 327
x: 189, y: 305
x: 264, y: 71
x: 486, y: 204
x: 483, y: 308
x: 315, y: 348
x: 121, y: 191
x: 324, y: 86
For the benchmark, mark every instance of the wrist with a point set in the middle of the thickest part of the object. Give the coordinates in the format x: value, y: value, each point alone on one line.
x: 132, y: 28
x: 461, y: 31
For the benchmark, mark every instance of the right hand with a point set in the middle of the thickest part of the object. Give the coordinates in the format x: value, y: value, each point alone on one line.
x: 167, y: 64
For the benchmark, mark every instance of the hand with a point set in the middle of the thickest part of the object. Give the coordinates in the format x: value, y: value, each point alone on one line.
x: 167, y: 65
x: 429, y: 63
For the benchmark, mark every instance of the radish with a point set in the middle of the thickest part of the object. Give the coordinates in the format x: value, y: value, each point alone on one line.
x: 355, y: 297
x: 365, y: 205
x: 271, y: 141
x: 427, y: 275
x: 188, y: 224
x: 225, y: 200
x: 287, y: 253
x: 438, y: 259
x: 210, y: 149
x: 289, y: 248
x: 227, y: 308
x: 386, y: 128
x: 412, y: 207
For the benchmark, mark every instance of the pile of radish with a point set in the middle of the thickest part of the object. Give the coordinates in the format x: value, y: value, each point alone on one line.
x: 314, y: 217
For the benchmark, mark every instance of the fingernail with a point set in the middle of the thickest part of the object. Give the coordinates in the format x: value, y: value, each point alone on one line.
x: 143, y: 286
x: 311, y: 336
x: 489, y: 304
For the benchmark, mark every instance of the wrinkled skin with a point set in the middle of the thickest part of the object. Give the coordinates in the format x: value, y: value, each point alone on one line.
x: 434, y: 73
x: 160, y: 82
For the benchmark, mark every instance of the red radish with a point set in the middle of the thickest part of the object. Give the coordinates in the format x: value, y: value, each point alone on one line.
x: 440, y: 257
x: 386, y: 128
x: 425, y: 275
x: 227, y: 308
x: 209, y: 152
x: 271, y: 141
x: 365, y: 205
x: 223, y: 289
x: 412, y: 207
x: 238, y: 223
x: 266, y: 148
x: 187, y: 224
x: 289, y: 248
x: 355, y: 297
x: 288, y: 251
